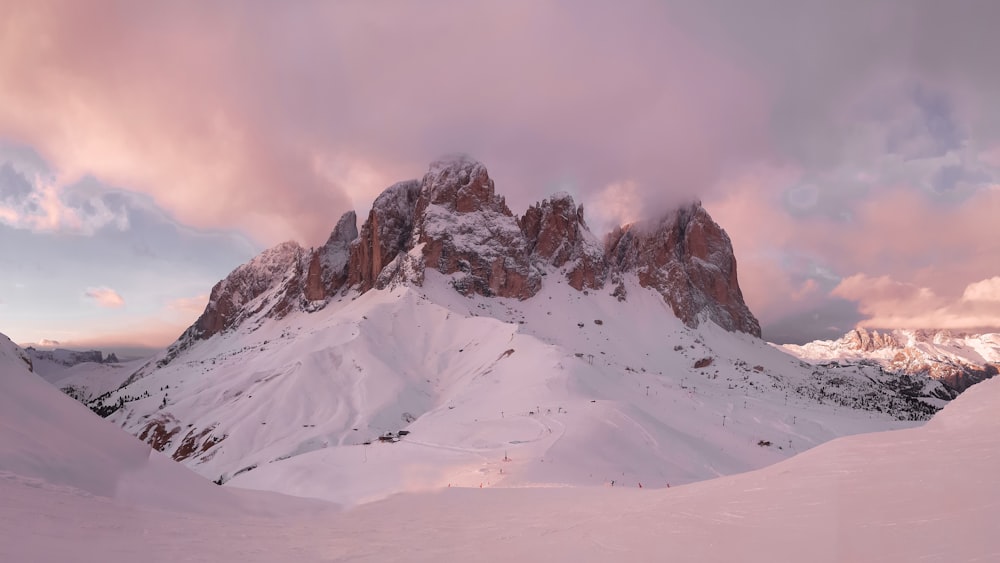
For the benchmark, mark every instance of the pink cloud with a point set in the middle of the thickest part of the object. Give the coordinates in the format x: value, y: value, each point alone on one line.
x: 895, y: 234
x: 263, y: 120
x: 105, y: 297
x: 892, y: 304
x: 983, y: 291
x: 883, y: 289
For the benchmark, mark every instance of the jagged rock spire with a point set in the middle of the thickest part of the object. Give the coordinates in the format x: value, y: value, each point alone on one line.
x: 453, y: 221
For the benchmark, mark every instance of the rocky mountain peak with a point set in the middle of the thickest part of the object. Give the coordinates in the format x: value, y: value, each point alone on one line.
x: 558, y: 234
x: 384, y: 235
x: 327, y: 271
x: 251, y: 288
x: 453, y: 221
x: 861, y: 339
x: 687, y: 258
x: 467, y: 231
x: 461, y: 184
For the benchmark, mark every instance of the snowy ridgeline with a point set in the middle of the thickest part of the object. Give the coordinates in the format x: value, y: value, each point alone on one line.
x: 960, y: 360
x: 421, y: 388
x: 73, y: 486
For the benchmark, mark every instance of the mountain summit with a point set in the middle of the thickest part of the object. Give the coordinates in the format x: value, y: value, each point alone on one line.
x: 454, y: 221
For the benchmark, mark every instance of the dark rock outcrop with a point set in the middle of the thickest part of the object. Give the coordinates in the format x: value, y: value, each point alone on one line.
x: 327, y: 271
x: 557, y: 234
x: 384, y: 235
x: 466, y: 229
x: 260, y: 284
x: 688, y: 259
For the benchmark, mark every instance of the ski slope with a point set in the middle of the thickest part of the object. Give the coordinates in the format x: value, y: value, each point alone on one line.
x: 921, y: 494
x: 566, y: 389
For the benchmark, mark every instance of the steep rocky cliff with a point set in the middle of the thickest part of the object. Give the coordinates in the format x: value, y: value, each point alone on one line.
x: 558, y: 235
x: 386, y: 232
x: 453, y: 221
x: 688, y: 259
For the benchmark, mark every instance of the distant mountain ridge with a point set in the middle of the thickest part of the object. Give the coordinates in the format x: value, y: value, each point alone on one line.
x: 82, y: 374
x: 955, y: 358
x: 69, y: 358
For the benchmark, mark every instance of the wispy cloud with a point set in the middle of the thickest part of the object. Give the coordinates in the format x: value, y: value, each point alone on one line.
x: 105, y: 297
x: 33, y: 201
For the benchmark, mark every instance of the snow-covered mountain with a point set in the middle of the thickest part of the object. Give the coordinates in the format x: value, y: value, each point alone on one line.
x: 67, y: 358
x: 957, y: 359
x: 449, y: 342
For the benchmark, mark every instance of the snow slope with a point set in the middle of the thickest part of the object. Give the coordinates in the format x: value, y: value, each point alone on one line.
x: 922, y: 494
x: 46, y: 438
x: 567, y: 388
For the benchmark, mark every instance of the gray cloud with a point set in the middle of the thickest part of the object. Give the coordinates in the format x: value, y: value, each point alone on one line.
x: 827, y: 321
x: 14, y: 187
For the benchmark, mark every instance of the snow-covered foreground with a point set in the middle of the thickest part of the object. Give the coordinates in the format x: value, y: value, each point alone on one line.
x: 922, y: 494
x: 49, y: 440
x: 567, y: 388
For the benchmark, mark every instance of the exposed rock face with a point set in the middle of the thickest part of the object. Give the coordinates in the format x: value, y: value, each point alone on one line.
x: 453, y: 221
x: 557, y: 234
x: 689, y: 260
x: 328, y: 271
x: 861, y: 339
x: 386, y: 232
x: 252, y: 288
x: 466, y: 229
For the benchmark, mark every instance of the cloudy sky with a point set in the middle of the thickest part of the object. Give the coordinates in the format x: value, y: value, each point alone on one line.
x: 851, y: 149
